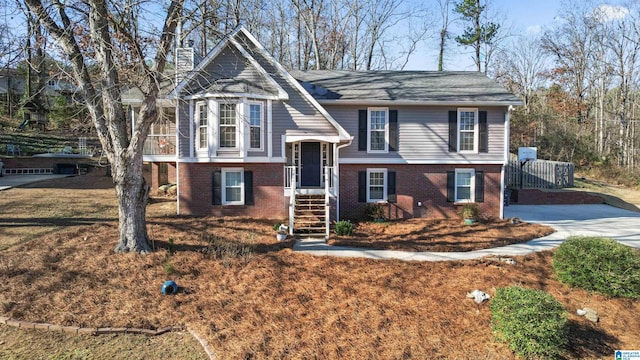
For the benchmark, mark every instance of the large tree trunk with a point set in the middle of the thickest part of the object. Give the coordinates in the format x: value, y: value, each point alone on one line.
x: 133, y: 193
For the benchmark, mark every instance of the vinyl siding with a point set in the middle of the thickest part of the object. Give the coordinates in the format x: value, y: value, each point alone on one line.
x: 423, y: 135
x: 230, y: 72
x: 297, y: 116
x: 183, y: 128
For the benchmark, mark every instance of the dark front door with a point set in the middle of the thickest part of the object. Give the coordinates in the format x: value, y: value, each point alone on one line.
x: 310, y: 161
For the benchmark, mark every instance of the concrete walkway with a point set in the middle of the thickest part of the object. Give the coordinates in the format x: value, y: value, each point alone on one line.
x: 593, y: 220
x: 10, y: 181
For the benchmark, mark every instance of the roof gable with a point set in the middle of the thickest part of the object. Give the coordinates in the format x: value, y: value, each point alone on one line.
x: 230, y: 70
x: 248, y: 47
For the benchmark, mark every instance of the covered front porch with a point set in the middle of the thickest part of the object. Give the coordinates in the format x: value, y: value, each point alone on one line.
x: 310, y: 184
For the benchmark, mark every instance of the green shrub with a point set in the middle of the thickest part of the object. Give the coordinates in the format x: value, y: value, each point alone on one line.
x: 344, y: 228
x: 599, y: 264
x: 531, y: 321
x: 375, y: 212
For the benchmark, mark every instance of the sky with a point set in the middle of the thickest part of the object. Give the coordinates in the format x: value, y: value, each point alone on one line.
x: 521, y: 16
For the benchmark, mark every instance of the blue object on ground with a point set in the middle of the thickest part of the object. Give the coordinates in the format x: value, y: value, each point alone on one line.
x: 169, y: 287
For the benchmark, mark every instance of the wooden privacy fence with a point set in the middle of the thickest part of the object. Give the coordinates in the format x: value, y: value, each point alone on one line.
x: 541, y: 174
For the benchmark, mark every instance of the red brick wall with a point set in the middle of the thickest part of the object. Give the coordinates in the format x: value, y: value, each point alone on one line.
x: 418, y: 183
x: 157, y: 179
x: 554, y: 197
x: 196, y: 198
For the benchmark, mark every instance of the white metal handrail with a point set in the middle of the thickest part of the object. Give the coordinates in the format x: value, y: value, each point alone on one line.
x: 328, y: 171
x: 292, y: 196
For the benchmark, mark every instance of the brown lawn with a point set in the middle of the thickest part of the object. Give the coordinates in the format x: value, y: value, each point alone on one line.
x: 253, y: 298
x: 441, y: 235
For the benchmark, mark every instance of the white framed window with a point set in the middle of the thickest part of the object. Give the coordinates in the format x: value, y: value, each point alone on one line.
x: 202, y: 123
x: 465, y: 185
x: 228, y: 125
x: 376, y: 185
x: 232, y: 186
x: 377, y: 130
x: 467, y: 130
x: 256, y: 125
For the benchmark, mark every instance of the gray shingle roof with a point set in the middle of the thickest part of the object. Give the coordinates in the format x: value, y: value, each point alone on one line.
x: 455, y: 87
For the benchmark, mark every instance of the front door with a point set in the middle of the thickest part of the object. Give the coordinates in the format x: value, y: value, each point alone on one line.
x: 310, y: 164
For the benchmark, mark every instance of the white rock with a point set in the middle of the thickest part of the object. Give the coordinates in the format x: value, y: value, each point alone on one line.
x: 478, y: 296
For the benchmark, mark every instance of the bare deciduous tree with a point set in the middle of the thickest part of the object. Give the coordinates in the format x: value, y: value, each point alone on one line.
x: 98, y: 75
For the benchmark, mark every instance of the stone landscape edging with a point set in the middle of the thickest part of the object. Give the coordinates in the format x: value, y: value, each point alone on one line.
x: 75, y: 330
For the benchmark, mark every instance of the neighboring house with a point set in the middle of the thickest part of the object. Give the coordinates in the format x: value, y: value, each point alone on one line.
x: 13, y: 86
x: 242, y: 136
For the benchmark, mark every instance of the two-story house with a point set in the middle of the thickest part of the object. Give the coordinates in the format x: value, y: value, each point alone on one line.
x: 243, y: 136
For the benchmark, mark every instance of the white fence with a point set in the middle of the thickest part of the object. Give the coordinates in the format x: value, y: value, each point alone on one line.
x: 543, y: 174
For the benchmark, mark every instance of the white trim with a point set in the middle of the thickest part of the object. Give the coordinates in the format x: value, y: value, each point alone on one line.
x: 401, y: 161
x: 248, y: 104
x: 476, y: 130
x: 310, y: 137
x: 385, y: 182
x: 507, y: 134
x: 192, y: 136
x: 342, y: 133
x: 269, y: 129
x: 198, y: 125
x: 365, y: 102
x: 472, y: 190
x: 219, y: 125
x: 223, y: 186
x: 230, y: 95
x: 238, y: 160
x: 386, y: 130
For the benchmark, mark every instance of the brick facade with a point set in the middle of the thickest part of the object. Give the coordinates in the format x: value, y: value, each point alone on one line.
x: 162, y: 173
x: 418, y: 183
x: 414, y: 183
x: 196, y: 191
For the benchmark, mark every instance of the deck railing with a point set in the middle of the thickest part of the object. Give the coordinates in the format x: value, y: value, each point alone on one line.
x: 159, y: 145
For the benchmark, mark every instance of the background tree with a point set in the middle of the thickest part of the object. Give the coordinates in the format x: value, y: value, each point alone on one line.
x: 478, y: 31
x: 99, y: 70
x: 444, y: 35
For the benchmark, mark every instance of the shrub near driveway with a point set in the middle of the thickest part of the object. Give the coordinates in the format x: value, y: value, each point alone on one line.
x: 531, y: 321
x: 599, y: 264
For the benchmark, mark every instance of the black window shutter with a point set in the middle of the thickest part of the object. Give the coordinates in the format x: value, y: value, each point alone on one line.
x: 362, y: 130
x: 479, y: 186
x: 217, y: 187
x: 453, y: 131
x: 248, y: 188
x: 362, y: 186
x: 393, y: 130
x: 484, y: 133
x: 451, y: 186
x: 391, y: 187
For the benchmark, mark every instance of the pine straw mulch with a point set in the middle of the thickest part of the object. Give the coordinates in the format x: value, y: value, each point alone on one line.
x: 252, y: 298
x: 440, y: 235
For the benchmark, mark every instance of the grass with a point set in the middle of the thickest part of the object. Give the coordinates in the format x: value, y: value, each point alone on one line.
x: 251, y: 297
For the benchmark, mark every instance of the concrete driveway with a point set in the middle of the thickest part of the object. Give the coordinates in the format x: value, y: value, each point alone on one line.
x: 593, y: 220
x: 9, y: 181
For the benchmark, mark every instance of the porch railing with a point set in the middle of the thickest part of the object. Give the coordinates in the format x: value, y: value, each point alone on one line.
x: 292, y: 198
x: 159, y: 145
x: 328, y: 176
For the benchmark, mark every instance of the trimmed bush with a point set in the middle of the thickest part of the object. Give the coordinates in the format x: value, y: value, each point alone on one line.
x: 599, y: 264
x: 344, y: 228
x: 531, y: 321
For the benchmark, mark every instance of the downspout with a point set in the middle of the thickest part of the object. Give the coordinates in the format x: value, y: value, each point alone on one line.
x: 507, y: 134
x: 336, y: 161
